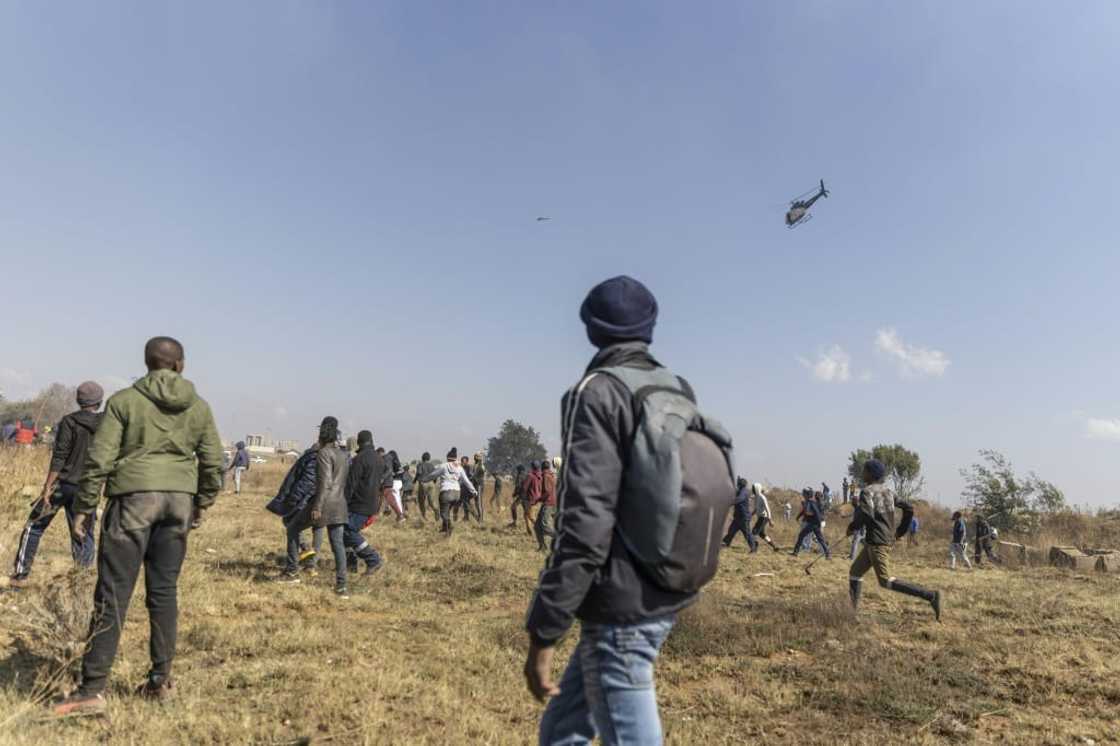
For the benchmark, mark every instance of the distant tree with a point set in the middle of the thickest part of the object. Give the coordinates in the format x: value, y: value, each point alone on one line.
x: 1010, y: 501
x: 904, y: 468
x: 46, y: 408
x: 514, y: 444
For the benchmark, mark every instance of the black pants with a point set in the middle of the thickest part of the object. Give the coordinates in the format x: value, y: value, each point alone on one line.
x: 741, y: 523
x: 149, y: 529
x: 985, y: 544
x: 446, y: 501
x: 815, y: 530
x: 425, y: 500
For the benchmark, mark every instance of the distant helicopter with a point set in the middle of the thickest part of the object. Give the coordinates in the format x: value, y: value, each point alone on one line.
x: 799, y: 209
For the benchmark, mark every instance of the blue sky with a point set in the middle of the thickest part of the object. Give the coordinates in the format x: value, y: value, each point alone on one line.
x: 332, y: 205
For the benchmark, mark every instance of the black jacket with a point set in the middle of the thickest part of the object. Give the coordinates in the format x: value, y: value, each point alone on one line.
x: 875, y: 512
x: 591, y: 575
x: 294, y: 497
x: 70, y: 443
x: 363, y: 485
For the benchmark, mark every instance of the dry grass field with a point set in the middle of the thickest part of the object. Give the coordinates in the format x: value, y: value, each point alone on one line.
x: 430, y: 650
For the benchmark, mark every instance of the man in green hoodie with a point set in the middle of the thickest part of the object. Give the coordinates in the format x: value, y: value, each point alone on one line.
x: 158, y: 454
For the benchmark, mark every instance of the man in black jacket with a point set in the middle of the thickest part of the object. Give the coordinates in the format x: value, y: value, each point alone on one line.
x: 69, y: 456
x: 424, y: 489
x: 363, y: 498
x: 874, y: 513
x: 607, y: 689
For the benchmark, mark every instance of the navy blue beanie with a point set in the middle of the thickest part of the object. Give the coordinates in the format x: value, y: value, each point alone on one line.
x: 875, y: 469
x: 620, y: 309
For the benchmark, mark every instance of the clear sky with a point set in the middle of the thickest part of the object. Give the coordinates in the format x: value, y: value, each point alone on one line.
x: 333, y: 206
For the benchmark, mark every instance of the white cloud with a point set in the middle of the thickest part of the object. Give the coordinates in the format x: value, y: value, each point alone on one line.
x: 911, y: 360
x: 831, y: 365
x: 1102, y: 429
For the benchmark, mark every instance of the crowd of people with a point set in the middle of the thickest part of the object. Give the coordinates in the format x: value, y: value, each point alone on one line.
x: 626, y: 517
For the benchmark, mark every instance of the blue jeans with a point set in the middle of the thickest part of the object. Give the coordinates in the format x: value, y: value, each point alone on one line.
x: 607, y: 689
x: 356, y: 543
x: 813, y: 529
x: 63, y: 498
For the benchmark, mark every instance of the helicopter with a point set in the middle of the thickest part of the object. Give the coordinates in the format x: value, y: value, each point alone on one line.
x: 798, y: 212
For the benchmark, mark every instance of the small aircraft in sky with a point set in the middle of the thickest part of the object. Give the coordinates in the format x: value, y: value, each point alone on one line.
x: 798, y: 212
x: 542, y: 219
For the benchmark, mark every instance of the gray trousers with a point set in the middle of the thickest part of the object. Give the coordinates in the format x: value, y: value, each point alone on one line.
x: 546, y: 525
x: 146, y: 529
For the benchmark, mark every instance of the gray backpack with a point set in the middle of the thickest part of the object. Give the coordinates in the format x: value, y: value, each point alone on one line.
x: 678, y: 481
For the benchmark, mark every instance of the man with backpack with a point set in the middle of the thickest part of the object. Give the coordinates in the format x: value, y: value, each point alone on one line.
x: 68, y: 458
x: 984, y: 538
x: 641, y: 511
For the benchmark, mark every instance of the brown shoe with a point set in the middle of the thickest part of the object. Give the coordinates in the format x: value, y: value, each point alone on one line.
x: 160, y: 692
x: 80, y: 705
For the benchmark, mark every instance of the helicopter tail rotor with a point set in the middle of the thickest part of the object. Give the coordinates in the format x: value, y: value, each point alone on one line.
x: 824, y: 192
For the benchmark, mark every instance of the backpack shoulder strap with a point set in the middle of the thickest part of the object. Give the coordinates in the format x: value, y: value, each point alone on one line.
x: 644, y: 383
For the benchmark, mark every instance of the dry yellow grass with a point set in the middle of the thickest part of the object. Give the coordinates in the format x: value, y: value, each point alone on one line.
x: 430, y: 650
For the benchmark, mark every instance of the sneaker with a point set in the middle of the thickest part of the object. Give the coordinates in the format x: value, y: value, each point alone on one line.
x: 288, y: 577
x: 81, y: 705
x: 372, y: 569
x: 307, y: 554
x: 342, y: 592
x: 159, y: 692
x: 935, y: 602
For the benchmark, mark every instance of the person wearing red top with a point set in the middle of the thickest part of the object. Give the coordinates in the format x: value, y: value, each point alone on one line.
x: 546, y: 516
x: 25, y: 435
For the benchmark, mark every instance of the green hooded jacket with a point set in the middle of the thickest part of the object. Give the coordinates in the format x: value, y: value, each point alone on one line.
x: 157, y: 436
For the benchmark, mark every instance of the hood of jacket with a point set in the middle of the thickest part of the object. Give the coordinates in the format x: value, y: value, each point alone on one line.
x: 86, y: 420
x: 167, y: 390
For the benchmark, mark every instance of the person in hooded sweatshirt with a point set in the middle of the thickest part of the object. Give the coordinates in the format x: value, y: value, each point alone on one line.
x: 363, y: 498
x: 67, y: 461
x: 765, y: 519
x: 546, y: 514
x: 239, y: 466
x: 741, y: 517
x: 874, y: 512
x: 159, y: 457
x: 531, y: 490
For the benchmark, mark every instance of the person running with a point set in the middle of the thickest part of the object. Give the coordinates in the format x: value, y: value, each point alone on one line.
x: 814, y: 522
x: 239, y: 465
x: 765, y: 519
x: 450, y: 479
x: 985, y: 536
x: 875, y: 513
x: 958, y: 547
x: 362, y: 504
x: 291, y: 504
x: 61, y: 487
x: 159, y: 457
x: 518, y: 498
x: 424, y: 488
x: 607, y: 690
x: 741, y: 517
x: 546, y: 514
